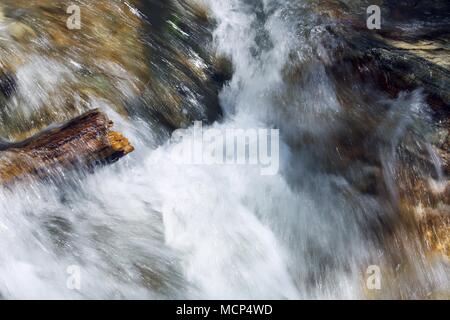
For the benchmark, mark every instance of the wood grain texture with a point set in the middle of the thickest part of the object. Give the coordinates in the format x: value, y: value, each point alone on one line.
x: 84, y: 141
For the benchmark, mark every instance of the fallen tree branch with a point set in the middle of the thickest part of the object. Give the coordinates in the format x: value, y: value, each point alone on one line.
x: 86, y: 140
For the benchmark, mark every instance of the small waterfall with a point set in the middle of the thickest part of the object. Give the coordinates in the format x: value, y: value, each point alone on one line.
x: 149, y: 227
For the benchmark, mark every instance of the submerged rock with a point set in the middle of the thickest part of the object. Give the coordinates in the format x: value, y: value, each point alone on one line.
x: 7, y: 84
x: 124, y: 56
x: 21, y: 32
x: 408, y: 57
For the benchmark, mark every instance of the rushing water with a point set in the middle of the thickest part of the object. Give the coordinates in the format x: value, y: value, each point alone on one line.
x: 147, y: 227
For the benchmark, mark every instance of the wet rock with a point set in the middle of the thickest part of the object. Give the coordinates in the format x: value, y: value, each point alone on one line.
x: 366, y: 179
x: 185, y: 87
x: 407, y: 53
x: 21, y: 32
x: 410, y: 52
x: 7, y: 84
x: 435, y: 51
x: 223, y: 69
x: 131, y: 56
x: 436, y: 230
x: 411, y: 72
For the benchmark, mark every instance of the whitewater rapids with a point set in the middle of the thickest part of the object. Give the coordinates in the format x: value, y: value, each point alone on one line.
x: 149, y: 228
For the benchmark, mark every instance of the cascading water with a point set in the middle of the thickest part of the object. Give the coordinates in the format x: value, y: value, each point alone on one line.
x: 147, y: 227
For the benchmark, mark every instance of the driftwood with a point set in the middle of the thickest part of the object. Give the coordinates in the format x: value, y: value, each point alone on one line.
x: 86, y: 140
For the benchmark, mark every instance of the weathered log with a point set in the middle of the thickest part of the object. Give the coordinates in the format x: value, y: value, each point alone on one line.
x: 86, y: 140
